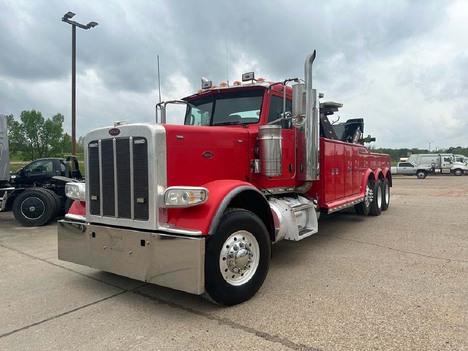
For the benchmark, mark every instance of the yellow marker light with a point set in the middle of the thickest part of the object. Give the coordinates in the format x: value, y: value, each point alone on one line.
x: 223, y: 84
x: 236, y: 82
x: 260, y: 80
x: 185, y: 196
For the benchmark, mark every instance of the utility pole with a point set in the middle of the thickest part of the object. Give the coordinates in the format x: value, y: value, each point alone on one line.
x: 67, y: 19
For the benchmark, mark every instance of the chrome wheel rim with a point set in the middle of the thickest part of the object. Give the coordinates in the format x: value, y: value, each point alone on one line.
x: 387, y: 193
x: 369, y: 196
x: 239, y: 257
x: 379, y: 197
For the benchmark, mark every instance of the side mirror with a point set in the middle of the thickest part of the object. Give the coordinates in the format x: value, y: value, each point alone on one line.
x: 298, y: 104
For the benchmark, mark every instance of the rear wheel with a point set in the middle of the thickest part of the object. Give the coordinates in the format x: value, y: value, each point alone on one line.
x: 377, y: 201
x: 34, y: 207
x: 421, y: 174
x: 237, y: 258
x: 386, y: 195
x: 57, y: 200
x: 363, y: 207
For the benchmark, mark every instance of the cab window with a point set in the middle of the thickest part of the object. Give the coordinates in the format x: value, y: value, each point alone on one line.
x: 40, y: 166
x: 276, y: 111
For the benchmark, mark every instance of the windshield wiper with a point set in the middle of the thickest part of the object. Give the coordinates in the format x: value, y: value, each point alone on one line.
x: 227, y: 123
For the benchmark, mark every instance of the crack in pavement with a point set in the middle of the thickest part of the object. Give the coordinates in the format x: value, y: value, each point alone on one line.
x: 61, y: 315
x: 393, y: 249
x: 224, y: 321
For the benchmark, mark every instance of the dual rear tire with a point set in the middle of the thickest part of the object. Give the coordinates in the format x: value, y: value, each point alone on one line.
x: 376, y: 199
x: 36, y: 207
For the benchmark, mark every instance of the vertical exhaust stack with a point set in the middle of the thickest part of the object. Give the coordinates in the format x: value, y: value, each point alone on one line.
x: 311, y: 124
x: 306, y: 112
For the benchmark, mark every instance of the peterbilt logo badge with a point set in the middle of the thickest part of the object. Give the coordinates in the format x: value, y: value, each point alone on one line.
x: 207, y: 154
x: 114, y: 131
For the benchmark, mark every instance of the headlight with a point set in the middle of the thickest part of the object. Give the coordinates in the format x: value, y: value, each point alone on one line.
x: 75, y: 191
x: 185, y: 196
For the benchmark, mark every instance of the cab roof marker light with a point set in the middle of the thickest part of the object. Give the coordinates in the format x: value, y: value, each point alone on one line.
x: 205, y: 83
x: 248, y: 76
x: 236, y: 82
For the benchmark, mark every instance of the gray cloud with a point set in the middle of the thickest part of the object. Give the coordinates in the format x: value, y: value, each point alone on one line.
x: 369, y: 54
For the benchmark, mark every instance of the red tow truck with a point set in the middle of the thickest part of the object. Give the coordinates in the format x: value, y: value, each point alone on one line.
x: 196, y: 207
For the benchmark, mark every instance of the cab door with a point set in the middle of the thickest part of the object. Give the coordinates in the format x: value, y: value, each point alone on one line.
x: 37, y: 172
x: 288, y: 134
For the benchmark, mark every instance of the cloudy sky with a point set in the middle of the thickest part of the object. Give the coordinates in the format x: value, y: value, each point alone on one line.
x: 401, y: 65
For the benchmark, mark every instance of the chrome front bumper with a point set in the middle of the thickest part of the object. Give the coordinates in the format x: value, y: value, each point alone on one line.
x: 168, y: 260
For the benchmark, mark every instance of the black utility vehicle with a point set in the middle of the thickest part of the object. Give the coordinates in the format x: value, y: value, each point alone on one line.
x: 37, y: 191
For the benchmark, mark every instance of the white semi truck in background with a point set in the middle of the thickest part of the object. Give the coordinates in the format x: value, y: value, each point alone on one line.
x: 446, y: 163
x: 421, y: 165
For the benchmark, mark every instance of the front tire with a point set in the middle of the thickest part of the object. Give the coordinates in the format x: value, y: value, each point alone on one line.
x: 237, y: 258
x: 458, y: 172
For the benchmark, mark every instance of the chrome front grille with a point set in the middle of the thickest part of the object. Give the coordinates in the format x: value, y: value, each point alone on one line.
x: 117, y: 183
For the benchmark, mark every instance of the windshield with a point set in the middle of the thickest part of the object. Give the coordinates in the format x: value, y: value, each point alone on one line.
x: 461, y: 158
x: 226, y: 108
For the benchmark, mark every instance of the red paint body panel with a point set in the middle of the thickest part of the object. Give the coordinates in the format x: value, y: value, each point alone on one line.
x: 197, y: 155
x: 77, y: 208
x: 344, y: 170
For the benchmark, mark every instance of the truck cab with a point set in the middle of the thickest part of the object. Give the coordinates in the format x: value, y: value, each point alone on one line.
x: 42, y: 170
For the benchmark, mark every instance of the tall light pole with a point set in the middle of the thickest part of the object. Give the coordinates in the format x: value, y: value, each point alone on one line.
x: 430, y: 145
x: 67, y: 18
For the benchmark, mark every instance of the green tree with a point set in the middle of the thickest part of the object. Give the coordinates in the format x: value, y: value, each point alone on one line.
x: 80, y: 145
x: 35, y: 137
x: 65, y: 144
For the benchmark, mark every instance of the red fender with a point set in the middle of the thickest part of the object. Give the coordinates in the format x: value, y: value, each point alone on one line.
x: 77, y: 210
x: 377, y: 172
x: 388, y: 174
x: 205, y: 217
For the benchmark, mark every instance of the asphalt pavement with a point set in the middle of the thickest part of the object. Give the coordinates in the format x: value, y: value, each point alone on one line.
x: 398, y: 281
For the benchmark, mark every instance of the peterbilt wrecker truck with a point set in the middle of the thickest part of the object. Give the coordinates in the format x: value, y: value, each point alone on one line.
x: 196, y: 207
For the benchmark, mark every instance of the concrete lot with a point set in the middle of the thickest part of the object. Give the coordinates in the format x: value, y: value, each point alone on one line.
x: 394, y: 282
